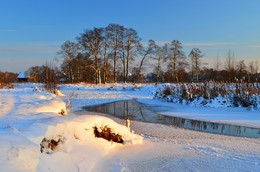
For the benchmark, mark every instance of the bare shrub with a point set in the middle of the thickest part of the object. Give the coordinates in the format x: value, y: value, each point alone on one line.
x: 167, y: 91
x: 50, y: 145
x: 50, y: 80
x: 106, y: 134
x: 72, y: 95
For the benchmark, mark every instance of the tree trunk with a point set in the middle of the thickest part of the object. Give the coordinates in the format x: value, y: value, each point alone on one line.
x: 115, y: 54
x: 140, y: 68
x: 124, y: 66
x: 158, y: 70
x: 114, y: 66
x: 174, y: 68
x: 128, y: 58
x: 127, y: 65
x: 105, y: 65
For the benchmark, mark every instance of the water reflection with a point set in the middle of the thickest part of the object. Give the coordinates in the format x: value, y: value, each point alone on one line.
x: 126, y: 109
x: 134, y: 111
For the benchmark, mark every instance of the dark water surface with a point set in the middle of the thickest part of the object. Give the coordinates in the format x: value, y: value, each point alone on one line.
x: 139, y: 112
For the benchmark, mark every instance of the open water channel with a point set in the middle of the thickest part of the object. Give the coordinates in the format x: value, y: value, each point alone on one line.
x: 133, y: 110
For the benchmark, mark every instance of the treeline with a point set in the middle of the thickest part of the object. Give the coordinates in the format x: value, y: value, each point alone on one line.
x: 7, y: 78
x: 47, y: 74
x: 117, y: 54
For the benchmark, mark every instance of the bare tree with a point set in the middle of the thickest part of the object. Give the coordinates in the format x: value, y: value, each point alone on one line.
x: 116, y: 35
x: 131, y: 42
x: 160, y: 55
x: 256, y: 70
x: 69, y: 51
x: 175, y: 55
x: 230, y: 64
x: 105, y: 48
x: 252, y: 70
x: 35, y: 74
x: 145, y: 51
x: 196, y: 62
x: 50, y: 78
x: 91, y: 40
x: 241, y: 70
x: 217, y: 65
x: 256, y: 67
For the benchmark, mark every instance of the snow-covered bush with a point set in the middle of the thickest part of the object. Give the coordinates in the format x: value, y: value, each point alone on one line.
x: 87, y: 130
x: 211, y: 93
x: 107, y: 134
x: 49, y: 145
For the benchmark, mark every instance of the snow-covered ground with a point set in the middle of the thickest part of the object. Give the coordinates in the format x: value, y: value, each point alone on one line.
x: 86, y: 95
x: 29, y: 115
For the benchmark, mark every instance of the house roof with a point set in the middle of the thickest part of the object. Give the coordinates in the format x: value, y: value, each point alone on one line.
x: 22, y: 75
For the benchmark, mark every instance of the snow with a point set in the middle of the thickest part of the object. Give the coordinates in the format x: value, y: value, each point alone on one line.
x: 29, y: 114
x: 230, y: 115
x: 86, y: 95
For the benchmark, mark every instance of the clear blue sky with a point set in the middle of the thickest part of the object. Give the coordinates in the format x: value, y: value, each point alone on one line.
x: 31, y: 31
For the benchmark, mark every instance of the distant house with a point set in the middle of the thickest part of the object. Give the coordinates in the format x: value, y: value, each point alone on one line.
x: 22, y: 77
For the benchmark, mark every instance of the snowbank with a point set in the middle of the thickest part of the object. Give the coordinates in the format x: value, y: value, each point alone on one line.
x: 79, y: 144
x: 27, y: 101
x: 29, y: 118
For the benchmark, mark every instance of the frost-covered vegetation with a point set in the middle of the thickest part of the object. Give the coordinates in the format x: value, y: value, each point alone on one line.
x: 211, y: 94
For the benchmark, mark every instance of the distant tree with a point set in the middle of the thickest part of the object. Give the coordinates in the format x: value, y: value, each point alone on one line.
x: 256, y: 67
x: 196, y: 62
x: 135, y: 76
x: 131, y: 43
x: 252, y: 71
x: 69, y: 51
x: 51, y: 79
x: 230, y: 65
x: 81, y: 68
x: 88, y: 72
x: 7, y: 78
x: 177, y: 59
x: 36, y: 74
x: 47, y: 74
x: 241, y: 70
x: 105, y: 51
x: 208, y: 74
x: 217, y: 65
x: 159, y: 57
x: 146, y: 51
x: 257, y: 75
x: 116, y: 36
x: 91, y: 41
x: 251, y: 67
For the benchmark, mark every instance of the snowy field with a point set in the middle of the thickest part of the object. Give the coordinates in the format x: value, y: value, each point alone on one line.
x: 28, y: 116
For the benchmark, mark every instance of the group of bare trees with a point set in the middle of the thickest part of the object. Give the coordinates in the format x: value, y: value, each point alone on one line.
x: 236, y: 70
x: 117, y: 54
x: 47, y: 74
x: 104, y: 53
x: 109, y: 54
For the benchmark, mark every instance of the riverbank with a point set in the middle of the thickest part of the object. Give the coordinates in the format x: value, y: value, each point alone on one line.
x: 30, y: 116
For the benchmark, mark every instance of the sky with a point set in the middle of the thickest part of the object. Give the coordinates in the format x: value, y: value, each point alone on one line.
x: 32, y: 31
